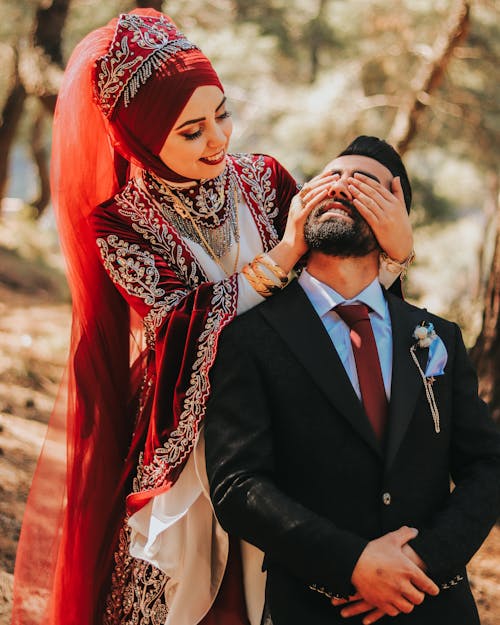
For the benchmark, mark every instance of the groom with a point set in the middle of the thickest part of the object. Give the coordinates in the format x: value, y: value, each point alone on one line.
x: 330, y: 447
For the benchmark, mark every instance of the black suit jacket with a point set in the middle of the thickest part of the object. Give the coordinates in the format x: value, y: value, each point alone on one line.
x: 295, y: 468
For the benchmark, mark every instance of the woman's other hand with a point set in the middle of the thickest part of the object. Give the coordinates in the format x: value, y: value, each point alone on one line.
x: 386, y: 214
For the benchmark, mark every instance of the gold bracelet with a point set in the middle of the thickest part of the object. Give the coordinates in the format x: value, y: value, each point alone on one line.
x: 274, y: 268
x: 394, y: 266
x: 268, y: 281
x: 256, y: 283
x: 260, y: 280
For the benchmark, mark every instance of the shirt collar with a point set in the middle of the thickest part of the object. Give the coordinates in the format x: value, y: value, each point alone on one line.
x: 323, y: 298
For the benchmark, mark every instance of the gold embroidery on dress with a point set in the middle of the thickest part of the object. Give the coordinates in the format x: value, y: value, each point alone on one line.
x: 180, y: 442
x: 132, y: 268
x: 146, y: 221
x: 138, y: 589
x: 135, y: 271
x: 261, y: 196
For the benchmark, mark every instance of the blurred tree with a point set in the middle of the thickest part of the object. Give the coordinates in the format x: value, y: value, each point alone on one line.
x: 486, y: 351
x: 318, y: 35
x: 11, y: 114
x: 37, y: 64
x: 470, y: 120
x: 37, y: 70
x: 429, y: 78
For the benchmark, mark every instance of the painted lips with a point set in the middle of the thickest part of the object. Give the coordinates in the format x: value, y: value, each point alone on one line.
x: 215, y: 159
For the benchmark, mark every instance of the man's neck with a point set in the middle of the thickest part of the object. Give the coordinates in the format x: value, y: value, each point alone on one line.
x: 347, y: 276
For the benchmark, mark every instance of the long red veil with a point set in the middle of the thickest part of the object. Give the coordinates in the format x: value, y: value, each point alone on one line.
x: 64, y: 554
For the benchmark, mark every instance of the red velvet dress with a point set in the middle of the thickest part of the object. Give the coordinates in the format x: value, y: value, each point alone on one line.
x: 183, y: 314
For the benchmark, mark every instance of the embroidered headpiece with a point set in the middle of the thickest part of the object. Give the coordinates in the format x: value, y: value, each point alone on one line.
x: 140, y: 45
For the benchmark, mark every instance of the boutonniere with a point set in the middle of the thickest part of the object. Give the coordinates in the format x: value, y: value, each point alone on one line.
x: 425, y: 337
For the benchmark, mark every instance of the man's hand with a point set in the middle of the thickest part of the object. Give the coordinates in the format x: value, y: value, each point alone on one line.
x: 356, y: 605
x: 388, y: 578
x: 410, y: 553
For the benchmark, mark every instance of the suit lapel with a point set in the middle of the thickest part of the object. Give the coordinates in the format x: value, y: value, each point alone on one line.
x: 406, y: 384
x: 291, y: 314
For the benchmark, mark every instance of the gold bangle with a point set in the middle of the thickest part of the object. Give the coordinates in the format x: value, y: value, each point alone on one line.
x: 271, y: 281
x: 274, y: 268
x: 394, y: 266
x: 265, y: 275
x: 256, y: 283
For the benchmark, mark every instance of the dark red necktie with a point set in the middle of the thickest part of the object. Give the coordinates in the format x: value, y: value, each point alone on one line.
x: 371, y: 382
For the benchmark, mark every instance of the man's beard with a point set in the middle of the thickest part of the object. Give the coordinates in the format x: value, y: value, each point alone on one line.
x: 337, y: 236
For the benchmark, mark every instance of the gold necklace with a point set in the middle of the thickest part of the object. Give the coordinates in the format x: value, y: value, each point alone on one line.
x: 183, y: 212
x: 207, y: 203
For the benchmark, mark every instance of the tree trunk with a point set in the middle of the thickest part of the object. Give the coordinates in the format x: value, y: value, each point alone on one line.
x: 486, y: 352
x: 490, y: 208
x: 38, y: 71
x: 316, y: 39
x: 40, y: 157
x: 429, y: 78
x: 9, y: 121
x: 49, y: 23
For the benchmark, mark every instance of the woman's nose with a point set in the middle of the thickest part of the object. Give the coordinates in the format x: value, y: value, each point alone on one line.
x: 217, y: 136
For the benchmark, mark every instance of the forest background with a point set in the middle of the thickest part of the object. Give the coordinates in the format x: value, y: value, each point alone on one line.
x: 302, y: 79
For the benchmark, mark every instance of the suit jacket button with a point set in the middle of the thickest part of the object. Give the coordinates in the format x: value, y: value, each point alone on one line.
x: 386, y: 498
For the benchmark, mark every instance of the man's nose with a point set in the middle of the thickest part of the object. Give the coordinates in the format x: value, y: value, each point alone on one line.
x: 340, y: 190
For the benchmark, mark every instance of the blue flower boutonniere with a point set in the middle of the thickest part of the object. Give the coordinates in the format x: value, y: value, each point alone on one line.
x: 425, y: 337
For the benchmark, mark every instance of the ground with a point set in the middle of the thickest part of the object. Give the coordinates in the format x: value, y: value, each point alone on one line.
x: 34, y: 331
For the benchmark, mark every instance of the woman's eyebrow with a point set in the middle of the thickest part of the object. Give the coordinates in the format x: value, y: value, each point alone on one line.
x: 223, y: 101
x: 200, y: 119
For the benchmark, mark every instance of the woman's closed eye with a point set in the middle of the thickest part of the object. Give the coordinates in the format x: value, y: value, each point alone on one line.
x: 224, y: 115
x: 190, y: 136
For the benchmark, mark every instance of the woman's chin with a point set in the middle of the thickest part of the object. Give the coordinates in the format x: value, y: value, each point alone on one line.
x: 212, y: 171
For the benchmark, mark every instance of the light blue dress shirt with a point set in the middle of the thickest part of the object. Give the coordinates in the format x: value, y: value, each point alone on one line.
x: 324, y: 298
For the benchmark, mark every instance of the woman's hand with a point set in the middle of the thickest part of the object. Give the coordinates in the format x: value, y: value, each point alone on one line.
x: 293, y: 246
x: 385, y: 212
